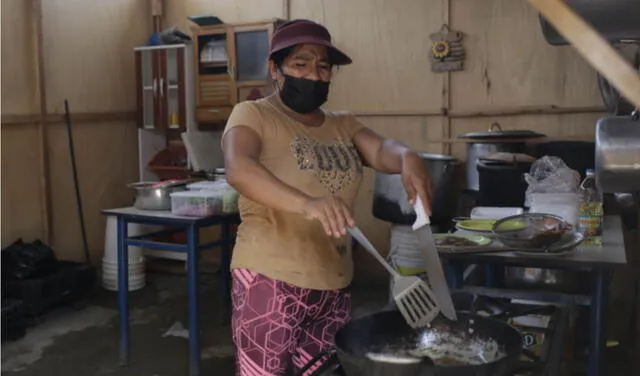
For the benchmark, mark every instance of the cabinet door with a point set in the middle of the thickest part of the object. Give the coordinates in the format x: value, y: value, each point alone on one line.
x: 251, y: 47
x: 147, y: 88
x: 214, y: 59
x: 172, y: 88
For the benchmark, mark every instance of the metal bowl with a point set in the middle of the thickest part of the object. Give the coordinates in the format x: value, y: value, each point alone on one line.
x: 531, y: 231
x: 148, y: 197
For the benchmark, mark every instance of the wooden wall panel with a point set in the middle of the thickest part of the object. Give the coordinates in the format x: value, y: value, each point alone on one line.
x: 106, y: 155
x: 19, y: 94
x: 510, y: 64
x: 20, y: 184
x: 388, y: 41
x: 89, y: 53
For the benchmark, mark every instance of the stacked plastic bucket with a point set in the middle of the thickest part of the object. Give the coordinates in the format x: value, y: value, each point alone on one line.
x: 404, y: 254
x: 110, y: 258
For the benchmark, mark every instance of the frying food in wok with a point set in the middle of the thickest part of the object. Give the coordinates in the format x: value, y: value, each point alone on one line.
x: 443, y: 348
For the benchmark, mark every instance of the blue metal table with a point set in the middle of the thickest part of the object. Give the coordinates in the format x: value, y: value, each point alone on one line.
x: 597, y: 260
x: 192, y: 248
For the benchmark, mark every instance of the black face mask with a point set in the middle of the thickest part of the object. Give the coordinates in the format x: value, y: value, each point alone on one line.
x: 303, y: 95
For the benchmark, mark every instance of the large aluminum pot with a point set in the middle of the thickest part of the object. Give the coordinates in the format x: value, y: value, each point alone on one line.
x: 495, y: 140
x: 390, y: 201
x: 148, y: 197
x: 618, y: 154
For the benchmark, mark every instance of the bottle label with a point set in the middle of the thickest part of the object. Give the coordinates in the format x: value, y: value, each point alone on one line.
x: 590, y: 225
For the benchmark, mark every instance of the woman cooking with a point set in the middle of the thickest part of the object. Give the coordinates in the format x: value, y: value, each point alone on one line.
x: 298, y: 168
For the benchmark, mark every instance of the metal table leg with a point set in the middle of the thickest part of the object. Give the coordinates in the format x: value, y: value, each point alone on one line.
x: 490, y: 275
x: 194, y: 313
x: 454, y: 274
x: 225, y: 261
x: 597, y: 336
x: 123, y: 290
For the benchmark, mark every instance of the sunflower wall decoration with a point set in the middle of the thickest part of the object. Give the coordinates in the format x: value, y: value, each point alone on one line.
x: 446, y: 53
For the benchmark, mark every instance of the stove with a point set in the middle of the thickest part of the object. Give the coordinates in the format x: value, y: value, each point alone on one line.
x: 544, y: 329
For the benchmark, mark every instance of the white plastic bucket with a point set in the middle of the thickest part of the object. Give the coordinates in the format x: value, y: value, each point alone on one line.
x: 136, y: 271
x: 404, y: 242
x: 111, y: 240
x: 564, y: 205
x: 408, y: 265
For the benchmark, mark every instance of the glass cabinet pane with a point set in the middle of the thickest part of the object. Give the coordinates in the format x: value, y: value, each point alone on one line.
x: 173, y: 93
x: 251, y: 55
x: 172, y: 66
x: 149, y: 89
x: 147, y: 68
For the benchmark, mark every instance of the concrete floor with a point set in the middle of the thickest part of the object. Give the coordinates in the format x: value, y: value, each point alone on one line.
x: 85, y: 341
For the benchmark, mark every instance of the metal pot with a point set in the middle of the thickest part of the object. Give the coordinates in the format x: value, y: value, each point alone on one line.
x: 617, y: 154
x: 390, y: 201
x: 148, y: 197
x: 495, y: 140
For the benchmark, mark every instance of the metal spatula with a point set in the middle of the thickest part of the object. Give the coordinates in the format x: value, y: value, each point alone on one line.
x: 437, y: 279
x: 414, y: 298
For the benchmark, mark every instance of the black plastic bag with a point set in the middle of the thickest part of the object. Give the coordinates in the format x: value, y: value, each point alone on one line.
x: 28, y: 260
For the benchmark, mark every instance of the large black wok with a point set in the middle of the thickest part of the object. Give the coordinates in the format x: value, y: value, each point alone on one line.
x: 388, y: 329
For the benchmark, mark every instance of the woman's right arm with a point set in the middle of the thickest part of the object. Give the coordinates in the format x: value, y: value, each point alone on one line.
x: 242, y: 147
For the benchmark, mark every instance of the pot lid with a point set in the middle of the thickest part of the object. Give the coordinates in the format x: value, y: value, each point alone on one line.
x: 509, y: 158
x: 496, y: 132
x: 437, y: 157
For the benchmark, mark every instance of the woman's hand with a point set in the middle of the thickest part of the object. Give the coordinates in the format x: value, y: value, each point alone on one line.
x: 416, y: 180
x: 332, y: 212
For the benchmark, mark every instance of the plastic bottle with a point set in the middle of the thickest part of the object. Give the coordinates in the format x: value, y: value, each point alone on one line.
x: 591, y: 210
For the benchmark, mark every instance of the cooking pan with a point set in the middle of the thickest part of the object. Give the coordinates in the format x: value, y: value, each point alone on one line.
x: 388, y: 333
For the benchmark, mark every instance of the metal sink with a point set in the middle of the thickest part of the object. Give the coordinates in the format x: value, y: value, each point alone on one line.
x: 618, y: 154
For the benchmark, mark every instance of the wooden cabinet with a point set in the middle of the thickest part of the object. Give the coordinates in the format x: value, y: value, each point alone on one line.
x: 231, y: 61
x: 165, y: 87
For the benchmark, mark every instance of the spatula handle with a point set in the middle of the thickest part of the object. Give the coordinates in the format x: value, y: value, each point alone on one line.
x: 356, y: 233
x: 422, y: 219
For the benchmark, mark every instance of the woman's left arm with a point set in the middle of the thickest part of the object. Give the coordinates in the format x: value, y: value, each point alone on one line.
x: 392, y: 157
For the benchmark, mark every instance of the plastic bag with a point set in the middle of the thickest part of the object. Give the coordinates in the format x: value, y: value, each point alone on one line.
x: 551, y: 175
x: 28, y: 260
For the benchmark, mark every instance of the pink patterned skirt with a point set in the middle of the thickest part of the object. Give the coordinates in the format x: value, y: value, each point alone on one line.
x: 278, y: 327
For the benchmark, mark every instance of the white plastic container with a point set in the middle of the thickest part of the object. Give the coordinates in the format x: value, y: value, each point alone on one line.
x: 197, y: 203
x: 111, y: 240
x: 228, y: 193
x: 563, y: 205
x: 207, y: 184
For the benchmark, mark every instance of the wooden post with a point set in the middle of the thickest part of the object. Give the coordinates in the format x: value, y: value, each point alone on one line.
x: 156, y: 14
x: 446, y: 89
x: 43, y: 146
x: 593, y: 48
x: 286, y: 9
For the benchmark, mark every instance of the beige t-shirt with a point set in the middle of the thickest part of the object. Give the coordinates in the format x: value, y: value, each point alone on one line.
x: 315, y: 160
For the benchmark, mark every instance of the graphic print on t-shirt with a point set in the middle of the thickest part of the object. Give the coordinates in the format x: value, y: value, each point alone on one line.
x: 336, y: 164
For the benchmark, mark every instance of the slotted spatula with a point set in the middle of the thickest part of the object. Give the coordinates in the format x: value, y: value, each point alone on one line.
x: 414, y: 298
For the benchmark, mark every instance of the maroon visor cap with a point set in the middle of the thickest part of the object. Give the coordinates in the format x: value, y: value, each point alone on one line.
x: 305, y: 31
